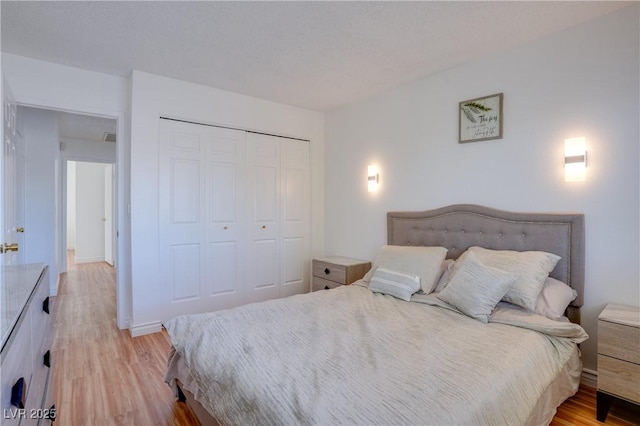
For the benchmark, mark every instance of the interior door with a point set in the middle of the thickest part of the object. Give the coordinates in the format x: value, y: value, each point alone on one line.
x: 263, y: 193
x: 278, y: 203
x: 201, y: 212
x: 108, y: 214
x: 12, y: 186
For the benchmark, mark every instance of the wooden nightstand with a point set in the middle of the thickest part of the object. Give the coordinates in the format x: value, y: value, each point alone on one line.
x: 618, y: 357
x: 334, y: 271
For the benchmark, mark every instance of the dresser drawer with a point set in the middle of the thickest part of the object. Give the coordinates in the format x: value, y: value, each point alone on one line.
x: 16, y: 364
x: 619, y: 341
x: 330, y: 271
x: 620, y: 378
x: 322, y: 284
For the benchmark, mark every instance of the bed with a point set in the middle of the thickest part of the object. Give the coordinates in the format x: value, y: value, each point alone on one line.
x: 356, y: 356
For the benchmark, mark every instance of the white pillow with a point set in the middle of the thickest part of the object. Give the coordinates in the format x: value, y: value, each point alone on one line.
x: 554, y: 299
x: 394, y: 283
x: 533, y: 268
x: 475, y: 289
x: 421, y: 261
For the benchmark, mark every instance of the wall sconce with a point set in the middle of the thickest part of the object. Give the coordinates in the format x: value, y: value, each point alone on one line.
x: 575, y: 159
x: 373, y: 178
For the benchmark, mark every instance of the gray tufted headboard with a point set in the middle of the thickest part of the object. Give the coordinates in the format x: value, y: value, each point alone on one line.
x: 461, y: 226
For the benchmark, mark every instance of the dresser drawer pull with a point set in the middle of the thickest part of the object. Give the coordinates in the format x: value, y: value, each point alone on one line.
x: 326, y: 287
x: 327, y: 271
x: 53, y: 413
x: 18, y: 392
x: 45, y: 305
x: 47, y: 359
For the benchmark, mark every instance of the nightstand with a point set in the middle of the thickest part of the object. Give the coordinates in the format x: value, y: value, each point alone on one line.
x: 618, y: 357
x: 333, y: 271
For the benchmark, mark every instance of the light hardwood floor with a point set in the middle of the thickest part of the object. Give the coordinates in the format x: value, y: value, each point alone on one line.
x: 102, y: 376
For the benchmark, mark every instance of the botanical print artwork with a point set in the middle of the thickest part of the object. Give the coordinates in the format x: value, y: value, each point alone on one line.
x: 481, y: 119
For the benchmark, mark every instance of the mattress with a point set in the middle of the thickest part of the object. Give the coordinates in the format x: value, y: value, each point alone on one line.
x: 351, y: 356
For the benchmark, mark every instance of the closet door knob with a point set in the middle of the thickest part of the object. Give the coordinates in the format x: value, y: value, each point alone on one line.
x: 226, y: 227
x: 264, y: 226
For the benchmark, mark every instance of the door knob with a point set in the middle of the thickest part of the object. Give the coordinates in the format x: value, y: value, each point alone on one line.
x: 21, y: 230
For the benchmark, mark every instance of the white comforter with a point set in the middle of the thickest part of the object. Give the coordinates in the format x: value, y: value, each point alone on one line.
x: 350, y: 356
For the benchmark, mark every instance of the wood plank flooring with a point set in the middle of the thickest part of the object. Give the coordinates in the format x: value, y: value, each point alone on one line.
x: 103, y: 376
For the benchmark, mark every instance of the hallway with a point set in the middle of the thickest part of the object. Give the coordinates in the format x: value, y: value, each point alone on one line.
x: 102, y: 376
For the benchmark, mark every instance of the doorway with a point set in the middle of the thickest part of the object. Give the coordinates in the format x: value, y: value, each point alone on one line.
x: 89, y: 223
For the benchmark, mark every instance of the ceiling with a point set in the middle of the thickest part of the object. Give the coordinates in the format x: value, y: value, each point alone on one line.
x: 315, y: 55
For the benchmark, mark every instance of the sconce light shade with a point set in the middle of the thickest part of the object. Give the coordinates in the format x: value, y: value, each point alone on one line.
x: 373, y: 178
x: 575, y: 159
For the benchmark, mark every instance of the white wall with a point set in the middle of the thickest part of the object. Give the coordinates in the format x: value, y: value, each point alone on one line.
x: 89, y: 212
x: 154, y: 96
x: 40, y: 131
x: 44, y: 84
x: 71, y: 205
x: 581, y: 82
x: 82, y: 150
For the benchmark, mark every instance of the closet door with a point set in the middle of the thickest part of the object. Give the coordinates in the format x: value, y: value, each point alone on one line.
x: 201, y: 214
x: 278, y: 217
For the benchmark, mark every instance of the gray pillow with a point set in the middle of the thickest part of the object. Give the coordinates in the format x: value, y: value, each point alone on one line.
x: 475, y: 289
x: 532, y: 267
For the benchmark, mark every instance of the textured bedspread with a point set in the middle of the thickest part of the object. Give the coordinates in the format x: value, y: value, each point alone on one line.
x: 350, y: 356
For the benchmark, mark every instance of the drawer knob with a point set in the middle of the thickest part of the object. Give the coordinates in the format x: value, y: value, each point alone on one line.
x: 18, y: 392
x: 47, y: 359
x: 45, y: 305
x: 326, y: 271
x: 53, y: 413
x: 326, y: 287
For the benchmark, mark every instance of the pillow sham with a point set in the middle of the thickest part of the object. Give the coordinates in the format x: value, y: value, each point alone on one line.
x: 532, y: 267
x: 554, y: 299
x: 475, y: 289
x: 394, y: 283
x: 421, y: 261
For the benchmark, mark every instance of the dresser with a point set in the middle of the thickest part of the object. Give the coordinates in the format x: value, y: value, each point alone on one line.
x: 27, y: 335
x: 333, y: 271
x: 618, y: 357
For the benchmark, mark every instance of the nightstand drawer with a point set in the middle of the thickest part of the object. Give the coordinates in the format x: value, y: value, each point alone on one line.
x: 322, y: 284
x: 330, y: 271
x: 620, y: 378
x: 619, y: 341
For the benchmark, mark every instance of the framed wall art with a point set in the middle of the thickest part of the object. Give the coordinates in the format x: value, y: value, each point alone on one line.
x: 480, y: 119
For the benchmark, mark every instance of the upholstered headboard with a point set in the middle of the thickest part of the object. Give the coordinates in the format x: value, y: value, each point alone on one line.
x: 461, y: 226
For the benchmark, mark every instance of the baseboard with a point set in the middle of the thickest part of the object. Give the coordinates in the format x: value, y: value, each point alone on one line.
x: 89, y: 259
x: 589, y: 378
x: 53, y: 290
x: 146, y: 328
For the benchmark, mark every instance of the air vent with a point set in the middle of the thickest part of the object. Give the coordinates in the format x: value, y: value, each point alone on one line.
x: 109, y: 137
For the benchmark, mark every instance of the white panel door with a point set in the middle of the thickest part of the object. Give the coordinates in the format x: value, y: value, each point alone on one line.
x: 201, y: 244
x: 108, y: 214
x: 295, y: 218
x: 278, y: 216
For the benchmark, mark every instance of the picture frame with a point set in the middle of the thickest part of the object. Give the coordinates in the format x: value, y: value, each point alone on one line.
x: 480, y: 119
